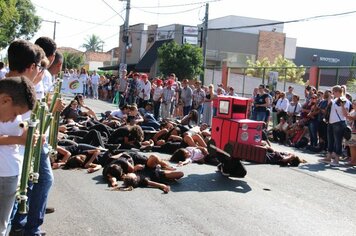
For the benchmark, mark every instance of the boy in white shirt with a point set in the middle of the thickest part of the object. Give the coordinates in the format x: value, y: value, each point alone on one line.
x: 17, y: 96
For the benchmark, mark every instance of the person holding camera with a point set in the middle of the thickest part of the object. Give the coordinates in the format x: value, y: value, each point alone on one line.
x: 336, y: 124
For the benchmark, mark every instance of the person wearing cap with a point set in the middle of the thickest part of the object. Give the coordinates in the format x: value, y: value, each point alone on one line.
x: 157, y: 98
x: 187, y: 97
x: 133, y: 89
x: 144, y: 90
x: 167, y: 99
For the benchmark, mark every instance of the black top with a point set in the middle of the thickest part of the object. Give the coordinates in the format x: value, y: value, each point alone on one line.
x: 142, y: 181
x: 121, y: 162
x: 261, y: 99
x: 118, y: 135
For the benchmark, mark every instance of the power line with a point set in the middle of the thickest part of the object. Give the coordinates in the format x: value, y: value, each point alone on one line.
x: 113, y: 10
x: 287, y: 22
x: 86, y: 30
x: 179, y: 5
x: 170, y: 13
x: 253, y: 26
x: 116, y: 34
x: 73, y: 18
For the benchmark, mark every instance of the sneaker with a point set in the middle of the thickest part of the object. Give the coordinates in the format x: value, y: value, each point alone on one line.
x: 219, y: 167
x: 334, y: 163
x: 102, y: 149
x: 50, y: 210
x: 224, y: 173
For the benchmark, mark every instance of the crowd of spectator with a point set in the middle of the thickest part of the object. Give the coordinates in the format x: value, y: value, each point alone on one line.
x: 314, y: 120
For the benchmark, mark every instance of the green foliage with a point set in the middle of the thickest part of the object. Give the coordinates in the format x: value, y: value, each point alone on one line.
x: 72, y: 60
x: 286, y: 69
x: 18, y: 20
x: 185, y: 60
x: 93, y: 43
x: 351, y: 82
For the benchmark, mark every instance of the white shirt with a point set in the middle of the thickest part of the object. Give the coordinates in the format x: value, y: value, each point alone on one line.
x: 117, y: 113
x: 95, y: 79
x: 195, y: 154
x: 291, y: 108
x: 47, y: 81
x: 145, y: 90
x: 83, y: 78
x: 336, y: 112
x: 282, y: 104
x: 10, y: 156
x: 157, y: 93
x: 40, y: 90
x: 281, y: 126
x: 3, y: 72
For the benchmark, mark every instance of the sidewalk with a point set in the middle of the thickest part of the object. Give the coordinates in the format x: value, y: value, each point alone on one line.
x: 342, y: 175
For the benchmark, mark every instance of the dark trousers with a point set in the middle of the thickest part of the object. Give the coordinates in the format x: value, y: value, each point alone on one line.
x: 186, y: 110
x: 279, y: 136
x: 156, y: 108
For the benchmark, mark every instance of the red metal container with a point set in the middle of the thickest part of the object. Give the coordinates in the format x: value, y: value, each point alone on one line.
x: 230, y: 107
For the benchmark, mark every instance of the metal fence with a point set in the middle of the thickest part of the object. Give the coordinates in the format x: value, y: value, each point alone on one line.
x: 244, y: 84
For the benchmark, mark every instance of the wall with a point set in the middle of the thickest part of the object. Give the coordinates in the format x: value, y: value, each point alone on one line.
x: 270, y: 45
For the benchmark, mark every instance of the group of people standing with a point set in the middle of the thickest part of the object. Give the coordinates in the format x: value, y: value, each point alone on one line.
x: 94, y: 85
x: 317, y: 123
x: 169, y: 97
x: 30, y: 77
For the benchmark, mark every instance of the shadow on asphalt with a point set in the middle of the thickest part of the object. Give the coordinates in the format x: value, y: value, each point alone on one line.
x: 99, y: 179
x: 314, y: 167
x: 210, y: 182
x: 351, y: 170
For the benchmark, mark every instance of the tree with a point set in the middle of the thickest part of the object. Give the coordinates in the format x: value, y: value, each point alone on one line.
x: 185, y: 60
x: 286, y: 69
x: 93, y: 43
x: 18, y: 20
x: 351, y: 82
x: 72, y: 60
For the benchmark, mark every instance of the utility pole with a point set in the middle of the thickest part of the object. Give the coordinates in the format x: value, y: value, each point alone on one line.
x: 55, y: 26
x: 125, y: 38
x: 205, y: 39
x: 54, y: 31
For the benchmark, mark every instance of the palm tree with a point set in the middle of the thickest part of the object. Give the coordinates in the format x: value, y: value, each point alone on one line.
x: 93, y: 43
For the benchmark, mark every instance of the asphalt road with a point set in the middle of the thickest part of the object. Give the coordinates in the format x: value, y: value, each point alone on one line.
x: 312, y: 199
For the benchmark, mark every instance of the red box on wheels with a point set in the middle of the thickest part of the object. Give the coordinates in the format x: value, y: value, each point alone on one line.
x: 230, y: 130
x: 230, y: 107
x: 250, y: 131
x: 223, y: 131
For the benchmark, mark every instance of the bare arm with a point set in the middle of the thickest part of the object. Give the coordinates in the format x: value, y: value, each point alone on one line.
x: 11, y: 140
x: 183, y: 163
x: 94, y: 153
x: 163, y: 187
x: 66, y: 154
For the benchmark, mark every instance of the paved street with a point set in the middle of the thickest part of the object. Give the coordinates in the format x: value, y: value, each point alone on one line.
x: 312, y: 199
